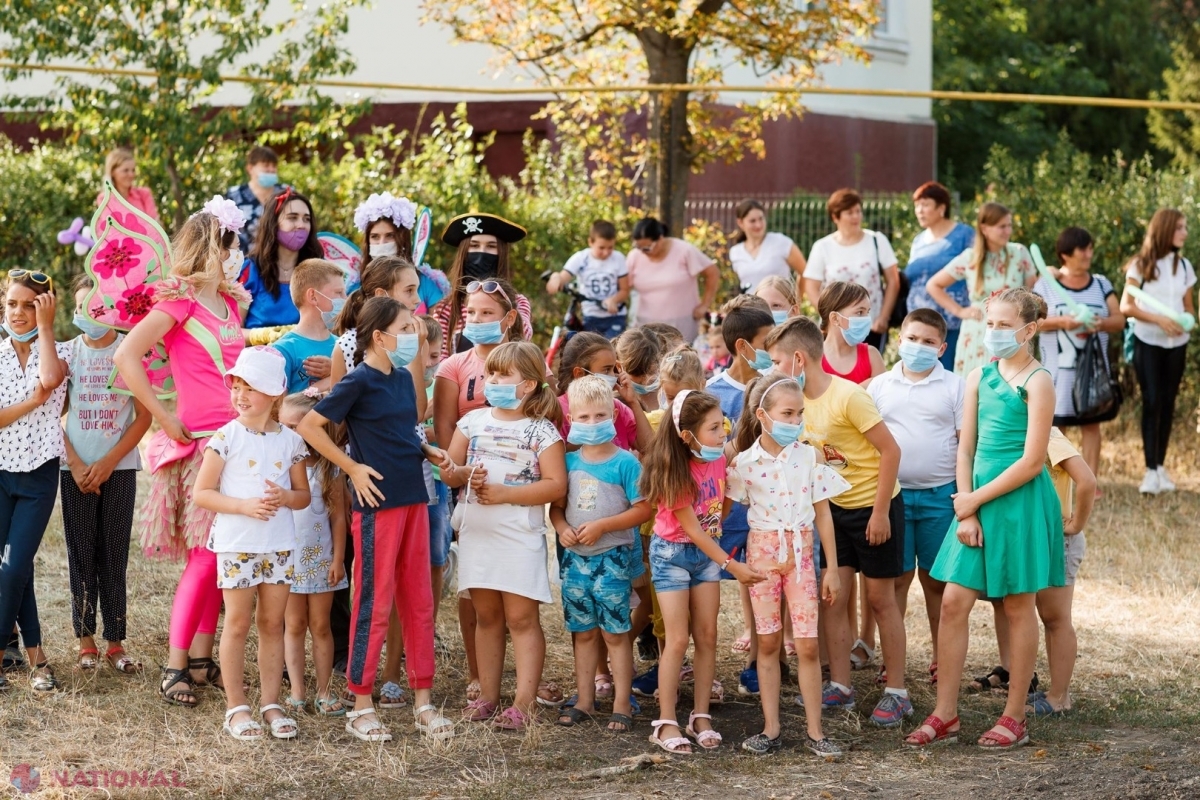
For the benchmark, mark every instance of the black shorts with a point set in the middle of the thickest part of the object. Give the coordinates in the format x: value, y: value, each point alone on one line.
x: 850, y: 534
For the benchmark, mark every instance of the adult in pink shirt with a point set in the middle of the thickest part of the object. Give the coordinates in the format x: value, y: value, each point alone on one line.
x: 121, y: 168
x: 196, y: 316
x: 663, y: 271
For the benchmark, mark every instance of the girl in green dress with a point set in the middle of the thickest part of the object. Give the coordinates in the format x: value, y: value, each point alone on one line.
x: 1006, y: 542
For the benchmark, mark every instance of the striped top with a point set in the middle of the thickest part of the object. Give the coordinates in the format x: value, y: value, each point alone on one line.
x: 1060, y: 348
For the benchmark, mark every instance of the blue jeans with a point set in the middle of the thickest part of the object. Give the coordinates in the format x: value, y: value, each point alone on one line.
x: 440, y: 533
x: 608, y: 327
x: 26, y: 503
x: 675, y: 566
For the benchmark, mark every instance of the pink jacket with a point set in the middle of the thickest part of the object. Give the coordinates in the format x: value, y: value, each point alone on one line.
x: 141, y: 199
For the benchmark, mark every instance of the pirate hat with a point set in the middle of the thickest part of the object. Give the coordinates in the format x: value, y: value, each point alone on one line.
x: 466, y: 225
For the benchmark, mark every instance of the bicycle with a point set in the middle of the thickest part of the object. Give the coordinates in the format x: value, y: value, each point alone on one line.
x: 572, y: 319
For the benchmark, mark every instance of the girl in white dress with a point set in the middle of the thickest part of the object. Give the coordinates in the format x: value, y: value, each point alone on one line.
x: 514, y: 464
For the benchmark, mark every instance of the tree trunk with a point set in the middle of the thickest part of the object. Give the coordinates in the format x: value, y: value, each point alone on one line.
x: 669, y: 159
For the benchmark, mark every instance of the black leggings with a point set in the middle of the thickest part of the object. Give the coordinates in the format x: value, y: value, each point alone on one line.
x: 1159, y: 373
x: 97, y: 529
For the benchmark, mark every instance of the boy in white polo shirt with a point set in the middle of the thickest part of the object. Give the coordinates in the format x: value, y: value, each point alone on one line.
x: 922, y: 404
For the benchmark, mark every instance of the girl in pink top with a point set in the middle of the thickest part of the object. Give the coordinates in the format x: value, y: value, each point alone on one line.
x: 196, y: 316
x: 845, y: 312
x: 121, y: 169
x: 663, y: 271
x: 592, y: 354
x: 683, y: 474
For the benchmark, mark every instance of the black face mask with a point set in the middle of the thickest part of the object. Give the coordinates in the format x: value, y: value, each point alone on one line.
x: 480, y: 266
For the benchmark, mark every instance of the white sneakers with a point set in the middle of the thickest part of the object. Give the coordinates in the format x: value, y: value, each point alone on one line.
x: 1156, y: 481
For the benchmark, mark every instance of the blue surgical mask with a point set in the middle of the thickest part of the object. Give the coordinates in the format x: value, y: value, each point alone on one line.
x: 584, y: 433
x: 1001, y: 342
x: 707, y: 453
x: 484, y: 332
x: 859, y: 330
x: 501, y: 395
x: 785, y: 433
x: 918, y: 357
x: 611, y: 380
x: 90, y: 328
x: 780, y: 317
x: 29, y: 336
x: 330, y: 317
x: 407, y: 347
x: 798, y: 376
x: 646, y: 388
x: 762, y: 360
x: 267, y: 180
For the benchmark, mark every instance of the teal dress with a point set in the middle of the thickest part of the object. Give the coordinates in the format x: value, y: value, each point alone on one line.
x: 1022, y: 530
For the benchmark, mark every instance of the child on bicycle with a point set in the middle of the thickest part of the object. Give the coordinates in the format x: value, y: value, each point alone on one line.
x: 601, y: 276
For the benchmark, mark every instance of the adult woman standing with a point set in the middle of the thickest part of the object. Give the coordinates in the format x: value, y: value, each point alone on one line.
x: 287, y: 235
x: 757, y: 254
x: 120, y: 167
x: 663, y: 271
x: 1063, y: 336
x: 1159, y: 342
x: 992, y: 264
x: 195, y: 315
x: 483, y: 242
x: 32, y: 389
x: 855, y: 255
x: 934, y: 247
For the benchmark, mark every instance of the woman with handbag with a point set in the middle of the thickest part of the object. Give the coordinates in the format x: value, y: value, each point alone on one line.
x: 1159, y: 341
x: 1064, y: 336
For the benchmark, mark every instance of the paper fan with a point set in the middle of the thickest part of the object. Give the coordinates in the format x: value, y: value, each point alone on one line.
x: 345, y: 254
x: 131, y: 253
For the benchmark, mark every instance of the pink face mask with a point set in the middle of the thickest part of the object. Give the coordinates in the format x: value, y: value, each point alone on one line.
x: 292, y: 240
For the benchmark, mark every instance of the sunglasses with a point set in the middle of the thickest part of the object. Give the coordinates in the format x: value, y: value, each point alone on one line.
x: 491, y: 287
x: 33, y: 275
x: 282, y: 198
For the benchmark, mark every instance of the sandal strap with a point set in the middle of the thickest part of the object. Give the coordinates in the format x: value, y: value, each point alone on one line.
x: 229, y: 713
x: 658, y: 723
x: 88, y: 651
x: 422, y: 709
x: 270, y: 707
x: 363, y: 713
x: 694, y: 716
x: 1017, y: 729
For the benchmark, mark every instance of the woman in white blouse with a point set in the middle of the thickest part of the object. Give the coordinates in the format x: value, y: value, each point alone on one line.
x: 757, y: 254
x: 32, y: 387
x: 855, y: 255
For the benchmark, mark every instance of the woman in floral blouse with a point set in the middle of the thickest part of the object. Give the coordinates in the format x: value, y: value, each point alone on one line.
x: 992, y: 265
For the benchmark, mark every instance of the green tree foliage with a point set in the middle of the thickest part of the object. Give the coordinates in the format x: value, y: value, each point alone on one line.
x: 1103, y: 48
x: 190, y: 44
x: 1178, y: 132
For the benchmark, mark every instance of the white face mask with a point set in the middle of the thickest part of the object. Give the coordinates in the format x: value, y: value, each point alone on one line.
x: 232, y: 266
x: 383, y: 249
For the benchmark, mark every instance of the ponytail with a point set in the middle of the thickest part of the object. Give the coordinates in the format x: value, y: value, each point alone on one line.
x: 525, y: 359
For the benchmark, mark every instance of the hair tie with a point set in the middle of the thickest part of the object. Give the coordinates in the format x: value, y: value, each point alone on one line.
x: 677, y: 406
x: 545, y: 386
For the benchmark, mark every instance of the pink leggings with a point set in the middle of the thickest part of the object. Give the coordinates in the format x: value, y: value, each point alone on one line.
x: 197, y: 599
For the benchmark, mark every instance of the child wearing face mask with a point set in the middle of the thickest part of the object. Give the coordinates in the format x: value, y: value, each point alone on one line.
x: 319, y: 291
x: 592, y: 354
x: 787, y: 490
x: 512, y: 465
x: 845, y: 312
x: 387, y: 277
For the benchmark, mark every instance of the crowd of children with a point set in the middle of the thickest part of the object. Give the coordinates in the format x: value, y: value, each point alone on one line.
x: 324, y: 478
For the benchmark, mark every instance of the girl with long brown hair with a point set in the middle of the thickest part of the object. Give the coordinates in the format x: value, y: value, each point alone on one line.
x: 992, y: 265
x: 287, y: 235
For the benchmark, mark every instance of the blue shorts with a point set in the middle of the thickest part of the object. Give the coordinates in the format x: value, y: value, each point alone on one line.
x: 675, y: 566
x: 608, y: 327
x: 440, y: 533
x: 596, y: 590
x: 735, y: 530
x: 637, y: 565
x: 928, y: 514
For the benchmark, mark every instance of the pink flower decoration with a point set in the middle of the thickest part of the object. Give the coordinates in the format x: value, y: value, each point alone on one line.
x: 117, y: 257
x: 134, y: 304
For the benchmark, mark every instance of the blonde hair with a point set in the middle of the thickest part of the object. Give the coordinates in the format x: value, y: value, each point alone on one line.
x: 782, y: 285
x: 312, y: 273
x: 682, y: 367
x: 115, y: 158
x: 196, y: 253
x: 525, y: 359
x: 590, y: 389
x: 989, y: 214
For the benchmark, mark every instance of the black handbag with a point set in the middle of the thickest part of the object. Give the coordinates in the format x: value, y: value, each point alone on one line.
x: 1096, y: 394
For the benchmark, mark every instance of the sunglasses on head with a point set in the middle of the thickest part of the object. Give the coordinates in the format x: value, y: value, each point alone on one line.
x: 33, y: 275
x: 491, y: 287
x: 282, y: 198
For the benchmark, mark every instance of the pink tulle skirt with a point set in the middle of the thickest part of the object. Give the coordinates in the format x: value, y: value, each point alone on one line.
x: 169, y: 522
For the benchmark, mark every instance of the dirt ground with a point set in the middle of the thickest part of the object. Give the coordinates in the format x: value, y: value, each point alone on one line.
x: 1132, y: 733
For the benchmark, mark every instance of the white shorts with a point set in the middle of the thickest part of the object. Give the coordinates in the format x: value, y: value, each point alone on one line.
x: 246, y: 570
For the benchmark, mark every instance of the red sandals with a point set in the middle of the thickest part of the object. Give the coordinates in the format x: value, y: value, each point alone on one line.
x: 941, y: 730
x: 994, y: 741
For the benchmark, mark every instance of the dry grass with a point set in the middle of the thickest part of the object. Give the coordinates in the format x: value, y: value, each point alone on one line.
x: 1130, y: 736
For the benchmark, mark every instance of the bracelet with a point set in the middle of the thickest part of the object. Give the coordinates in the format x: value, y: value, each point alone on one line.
x: 727, y: 563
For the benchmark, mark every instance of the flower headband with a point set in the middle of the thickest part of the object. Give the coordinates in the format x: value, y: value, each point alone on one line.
x: 400, y: 210
x: 677, y: 407
x: 229, y: 218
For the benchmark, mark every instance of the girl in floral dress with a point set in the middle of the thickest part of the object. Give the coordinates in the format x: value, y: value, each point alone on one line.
x: 787, y: 490
x: 992, y: 265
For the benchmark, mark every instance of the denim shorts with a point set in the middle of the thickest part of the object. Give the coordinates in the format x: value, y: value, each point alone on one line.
x: 440, y: 533
x: 608, y: 327
x: 595, y: 591
x: 928, y: 514
x: 675, y: 566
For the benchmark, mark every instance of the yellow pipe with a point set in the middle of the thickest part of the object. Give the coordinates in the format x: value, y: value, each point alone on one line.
x: 984, y: 97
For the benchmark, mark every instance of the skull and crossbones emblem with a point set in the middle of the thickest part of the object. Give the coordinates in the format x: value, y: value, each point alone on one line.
x: 472, y: 225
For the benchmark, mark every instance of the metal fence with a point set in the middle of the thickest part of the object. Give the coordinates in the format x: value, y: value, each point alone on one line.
x: 802, y: 216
